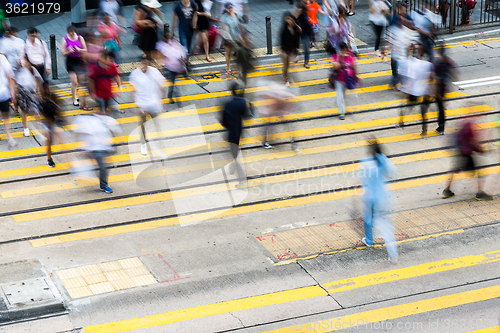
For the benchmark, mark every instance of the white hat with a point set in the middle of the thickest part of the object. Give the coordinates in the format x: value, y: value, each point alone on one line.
x: 151, y: 3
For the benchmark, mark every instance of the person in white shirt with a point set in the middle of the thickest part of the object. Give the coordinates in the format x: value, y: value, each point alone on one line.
x: 12, y: 47
x: 38, y: 54
x: 114, y: 9
x: 173, y: 56
x: 96, y: 132
x: 378, y: 9
x: 148, y: 83
x: 7, y: 93
x: 416, y: 75
x: 241, y: 8
x: 28, y: 79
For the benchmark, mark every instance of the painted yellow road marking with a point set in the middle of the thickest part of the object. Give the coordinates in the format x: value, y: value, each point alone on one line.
x: 412, y: 271
x: 196, y: 217
x: 494, y: 329
x: 309, y: 292
x: 161, y: 197
x: 201, y: 311
x: 295, y: 116
x: 307, y: 151
x: 394, y: 312
x: 281, y: 135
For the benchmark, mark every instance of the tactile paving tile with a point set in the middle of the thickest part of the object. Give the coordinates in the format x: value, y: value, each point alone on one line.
x: 313, y: 240
x: 105, y: 277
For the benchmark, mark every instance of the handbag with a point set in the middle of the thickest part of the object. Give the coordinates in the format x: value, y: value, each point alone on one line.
x: 350, y: 82
x: 332, y: 78
x: 136, y: 28
x: 111, y: 45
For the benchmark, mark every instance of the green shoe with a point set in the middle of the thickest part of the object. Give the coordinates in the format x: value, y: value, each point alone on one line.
x: 483, y: 196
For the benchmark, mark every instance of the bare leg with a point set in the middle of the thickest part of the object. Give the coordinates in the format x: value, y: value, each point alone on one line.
x: 6, y: 123
x: 286, y: 59
x: 204, y: 36
x: 227, y: 49
x: 74, y: 85
x: 24, y: 117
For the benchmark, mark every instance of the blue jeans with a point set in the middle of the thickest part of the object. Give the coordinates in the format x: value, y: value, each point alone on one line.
x: 186, y: 38
x: 171, y: 77
x: 371, y: 215
x: 395, y: 74
x: 99, y: 156
x: 305, y: 45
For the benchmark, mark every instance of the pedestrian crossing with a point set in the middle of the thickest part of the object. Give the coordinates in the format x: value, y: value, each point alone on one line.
x: 333, y: 148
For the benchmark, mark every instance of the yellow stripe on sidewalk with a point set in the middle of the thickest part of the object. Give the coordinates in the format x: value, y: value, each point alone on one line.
x: 412, y: 271
x: 196, y: 217
x: 253, y: 302
x: 394, y: 312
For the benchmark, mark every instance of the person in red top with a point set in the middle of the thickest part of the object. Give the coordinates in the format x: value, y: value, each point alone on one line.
x: 101, y: 76
x: 312, y: 12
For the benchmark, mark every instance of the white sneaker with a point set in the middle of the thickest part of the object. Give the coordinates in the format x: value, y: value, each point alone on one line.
x: 26, y: 132
x: 12, y: 142
x: 144, y: 149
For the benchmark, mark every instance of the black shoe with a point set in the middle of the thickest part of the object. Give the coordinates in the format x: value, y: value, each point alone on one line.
x: 447, y: 193
x: 483, y: 196
x: 51, y: 163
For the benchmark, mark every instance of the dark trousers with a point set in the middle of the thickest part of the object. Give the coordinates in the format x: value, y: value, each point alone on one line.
x: 395, y: 74
x: 171, y: 76
x: 378, y: 33
x: 41, y: 69
x: 103, y: 169
x: 423, y: 110
x: 440, y: 89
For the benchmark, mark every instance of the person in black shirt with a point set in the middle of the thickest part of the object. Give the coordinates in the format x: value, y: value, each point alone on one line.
x: 186, y: 17
x: 290, y: 37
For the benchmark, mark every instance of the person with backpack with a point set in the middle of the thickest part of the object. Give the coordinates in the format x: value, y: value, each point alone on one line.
x: 376, y: 170
x: 444, y: 72
x: 38, y: 54
x: 346, y: 75
x: 468, y: 144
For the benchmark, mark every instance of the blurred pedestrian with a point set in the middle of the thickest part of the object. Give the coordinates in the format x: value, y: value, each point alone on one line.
x: 244, y: 57
x: 331, y: 7
x: 468, y: 144
x: 12, y: 47
x: 146, y: 24
x: 203, y: 25
x: 423, y: 19
x: 231, y: 30
x: 73, y: 47
x: 96, y: 132
x: 7, y: 94
x: 4, y: 25
x: 173, y: 56
x: 399, y: 41
x: 51, y: 112
x: 38, y: 54
x: 232, y: 119
x: 307, y: 31
x: 148, y: 83
x: 185, y: 18
x: 113, y: 8
x: 377, y: 17
x: 416, y: 78
x: 345, y: 66
x: 290, y: 41
x: 312, y: 12
x: 339, y: 30
x: 240, y: 8
x: 376, y: 170
x: 278, y: 98
x: 350, y: 5
x: 101, y: 76
x: 28, y: 82
x: 110, y: 37
x: 444, y: 72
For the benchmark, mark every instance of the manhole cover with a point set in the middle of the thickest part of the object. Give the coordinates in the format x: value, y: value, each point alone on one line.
x: 29, y: 291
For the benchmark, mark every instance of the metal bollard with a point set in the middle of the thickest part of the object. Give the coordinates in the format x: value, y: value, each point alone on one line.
x: 269, y: 35
x: 166, y: 29
x: 53, y: 56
